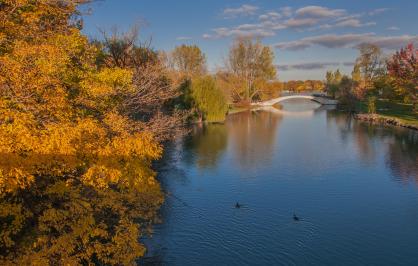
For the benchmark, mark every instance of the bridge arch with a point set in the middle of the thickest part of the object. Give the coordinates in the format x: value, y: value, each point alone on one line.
x: 320, y: 100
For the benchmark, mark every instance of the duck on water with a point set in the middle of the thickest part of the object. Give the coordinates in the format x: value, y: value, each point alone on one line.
x: 295, y: 217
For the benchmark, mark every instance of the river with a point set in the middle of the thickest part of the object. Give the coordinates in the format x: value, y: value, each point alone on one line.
x: 354, y: 187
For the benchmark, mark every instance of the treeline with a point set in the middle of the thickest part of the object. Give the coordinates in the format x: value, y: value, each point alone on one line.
x: 378, y: 79
x: 248, y: 75
x: 244, y: 78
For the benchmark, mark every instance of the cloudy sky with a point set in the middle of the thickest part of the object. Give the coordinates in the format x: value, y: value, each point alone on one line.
x: 308, y: 37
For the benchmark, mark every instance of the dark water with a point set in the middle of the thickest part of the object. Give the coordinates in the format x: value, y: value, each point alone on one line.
x: 354, y: 186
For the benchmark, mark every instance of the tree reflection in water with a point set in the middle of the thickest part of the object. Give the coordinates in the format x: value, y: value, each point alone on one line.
x: 207, y: 144
x: 402, y: 157
x: 252, y: 136
x: 401, y: 151
x: 249, y: 134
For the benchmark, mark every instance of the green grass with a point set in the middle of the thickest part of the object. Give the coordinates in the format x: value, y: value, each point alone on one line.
x: 386, y: 108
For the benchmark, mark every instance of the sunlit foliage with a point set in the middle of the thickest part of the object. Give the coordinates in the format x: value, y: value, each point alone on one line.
x: 375, y: 80
x: 76, y: 184
x: 249, y: 61
x: 208, y: 99
x: 189, y: 60
x: 403, y: 70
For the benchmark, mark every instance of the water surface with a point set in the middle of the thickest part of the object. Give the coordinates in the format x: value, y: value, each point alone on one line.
x: 353, y: 185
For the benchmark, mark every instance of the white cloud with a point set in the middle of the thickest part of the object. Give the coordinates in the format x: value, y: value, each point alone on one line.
x: 248, y: 27
x: 308, y: 18
x: 263, y: 17
x: 301, y: 22
x: 270, y: 16
x: 347, y: 41
x: 394, y: 28
x: 394, y: 42
x: 286, y: 11
x: 351, y: 16
x: 319, y: 12
x: 308, y: 66
x: 378, y: 11
x: 244, y: 10
x: 245, y: 30
x: 183, y: 38
x: 353, y: 23
x: 272, y: 25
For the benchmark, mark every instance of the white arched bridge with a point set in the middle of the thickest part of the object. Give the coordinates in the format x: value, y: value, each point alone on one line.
x: 321, y: 99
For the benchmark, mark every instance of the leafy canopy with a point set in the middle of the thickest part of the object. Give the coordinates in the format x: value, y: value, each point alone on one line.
x: 76, y: 184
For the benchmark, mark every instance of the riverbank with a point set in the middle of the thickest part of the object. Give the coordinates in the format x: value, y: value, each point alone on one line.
x: 384, y: 120
x: 389, y: 113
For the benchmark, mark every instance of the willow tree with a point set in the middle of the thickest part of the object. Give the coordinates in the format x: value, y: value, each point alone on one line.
x: 250, y: 61
x: 76, y: 184
x: 208, y: 99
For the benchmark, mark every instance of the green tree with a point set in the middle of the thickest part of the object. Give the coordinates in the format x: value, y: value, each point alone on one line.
x: 345, y: 93
x: 208, y: 99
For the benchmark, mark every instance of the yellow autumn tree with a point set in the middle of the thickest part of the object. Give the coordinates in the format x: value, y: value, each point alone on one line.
x: 76, y: 184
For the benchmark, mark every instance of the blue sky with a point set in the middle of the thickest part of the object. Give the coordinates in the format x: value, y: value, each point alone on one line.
x: 308, y: 37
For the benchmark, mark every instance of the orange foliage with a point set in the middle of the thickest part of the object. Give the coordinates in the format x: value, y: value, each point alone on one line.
x: 75, y: 175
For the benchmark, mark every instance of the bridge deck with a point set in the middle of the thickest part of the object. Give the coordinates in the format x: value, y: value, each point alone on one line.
x: 312, y: 97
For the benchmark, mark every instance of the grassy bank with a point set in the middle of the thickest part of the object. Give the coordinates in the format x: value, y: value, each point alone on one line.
x: 392, y: 110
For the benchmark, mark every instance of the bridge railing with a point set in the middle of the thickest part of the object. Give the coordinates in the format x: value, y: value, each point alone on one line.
x: 313, y: 93
x: 319, y: 97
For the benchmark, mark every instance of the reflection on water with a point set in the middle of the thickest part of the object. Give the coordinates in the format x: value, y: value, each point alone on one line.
x: 208, y: 143
x: 354, y: 185
x: 400, y: 145
x: 402, y: 157
x: 252, y: 133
